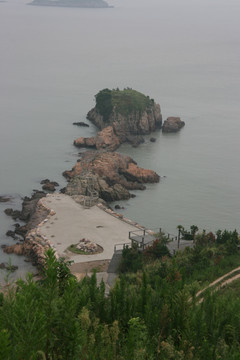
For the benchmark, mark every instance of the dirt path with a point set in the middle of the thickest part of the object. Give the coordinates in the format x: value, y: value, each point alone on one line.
x: 221, y: 281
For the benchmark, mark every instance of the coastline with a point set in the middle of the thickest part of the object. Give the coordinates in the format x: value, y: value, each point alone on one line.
x: 68, y: 222
x: 62, y: 221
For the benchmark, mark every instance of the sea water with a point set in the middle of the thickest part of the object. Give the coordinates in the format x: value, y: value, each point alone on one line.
x: 184, y: 54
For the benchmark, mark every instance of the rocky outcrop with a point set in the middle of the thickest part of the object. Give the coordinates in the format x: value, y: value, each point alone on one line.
x: 28, y: 213
x: 81, y: 123
x: 49, y: 185
x: 33, y: 248
x: 121, y: 116
x: 8, y: 267
x: 135, y: 140
x: 172, y: 124
x: 113, y: 175
x: 108, y: 140
x: 136, y: 123
x: 34, y: 244
x: 105, y: 139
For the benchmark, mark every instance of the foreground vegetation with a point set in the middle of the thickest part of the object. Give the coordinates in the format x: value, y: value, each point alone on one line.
x: 153, y: 312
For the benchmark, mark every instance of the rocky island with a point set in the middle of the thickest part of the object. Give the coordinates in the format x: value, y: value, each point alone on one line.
x: 72, y: 3
x: 122, y: 116
x: 100, y: 175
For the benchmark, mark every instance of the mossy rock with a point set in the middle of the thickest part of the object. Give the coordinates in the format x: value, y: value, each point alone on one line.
x: 125, y: 102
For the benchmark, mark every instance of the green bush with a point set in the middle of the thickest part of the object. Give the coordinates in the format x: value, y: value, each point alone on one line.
x: 104, y: 103
x: 153, y: 313
x: 125, y: 102
x: 132, y: 260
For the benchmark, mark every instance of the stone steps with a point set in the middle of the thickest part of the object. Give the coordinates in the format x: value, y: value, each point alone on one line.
x: 115, y: 262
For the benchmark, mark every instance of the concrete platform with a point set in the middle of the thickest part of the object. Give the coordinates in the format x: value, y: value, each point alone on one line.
x: 72, y: 222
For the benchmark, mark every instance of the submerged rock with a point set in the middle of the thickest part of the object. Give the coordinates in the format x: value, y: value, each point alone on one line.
x: 9, y: 211
x: 11, y: 233
x: 81, y: 123
x: 49, y: 185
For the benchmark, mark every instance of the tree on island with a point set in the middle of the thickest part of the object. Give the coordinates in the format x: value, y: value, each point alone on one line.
x: 104, y: 103
x: 124, y: 101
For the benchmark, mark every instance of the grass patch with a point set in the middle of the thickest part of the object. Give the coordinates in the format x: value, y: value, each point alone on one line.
x: 73, y: 248
x: 233, y: 288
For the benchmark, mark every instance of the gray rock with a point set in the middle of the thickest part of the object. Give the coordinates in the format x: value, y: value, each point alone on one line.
x: 172, y: 124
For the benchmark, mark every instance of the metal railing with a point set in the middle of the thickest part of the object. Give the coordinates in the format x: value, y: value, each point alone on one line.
x: 154, y: 233
x: 120, y: 247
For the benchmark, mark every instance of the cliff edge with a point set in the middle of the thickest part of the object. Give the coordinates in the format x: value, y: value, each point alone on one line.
x: 128, y: 111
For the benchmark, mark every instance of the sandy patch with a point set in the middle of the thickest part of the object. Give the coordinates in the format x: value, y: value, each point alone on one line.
x: 86, y: 268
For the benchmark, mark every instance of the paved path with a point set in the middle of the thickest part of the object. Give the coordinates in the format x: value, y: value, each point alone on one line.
x: 72, y: 222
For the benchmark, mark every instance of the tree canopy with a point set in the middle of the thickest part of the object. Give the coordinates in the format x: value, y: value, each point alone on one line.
x: 124, y: 101
x: 153, y: 312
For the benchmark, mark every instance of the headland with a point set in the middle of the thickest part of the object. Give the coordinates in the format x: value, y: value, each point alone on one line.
x: 80, y: 214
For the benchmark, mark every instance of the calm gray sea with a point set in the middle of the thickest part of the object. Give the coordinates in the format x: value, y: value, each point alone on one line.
x: 184, y: 54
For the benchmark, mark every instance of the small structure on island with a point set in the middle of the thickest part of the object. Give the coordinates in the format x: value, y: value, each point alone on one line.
x: 82, y: 189
x: 91, y: 194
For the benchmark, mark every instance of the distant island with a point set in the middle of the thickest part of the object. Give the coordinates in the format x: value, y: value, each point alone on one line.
x: 72, y: 3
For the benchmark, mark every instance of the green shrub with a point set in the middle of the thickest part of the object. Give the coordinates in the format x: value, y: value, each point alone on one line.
x: 132, y: 260
x: 125, y: 102
x: 104, y: 103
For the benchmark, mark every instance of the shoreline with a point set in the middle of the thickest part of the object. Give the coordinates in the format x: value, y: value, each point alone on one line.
x: 66, y: 223
x: 67, y: 218
x: 99, y: 175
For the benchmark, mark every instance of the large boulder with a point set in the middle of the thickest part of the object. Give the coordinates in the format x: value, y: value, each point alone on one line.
x: 105, y: 139
x: 172, y: 124
x: 113, y: 175
x: 33, y: 247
